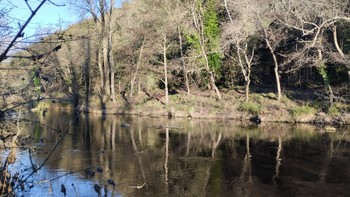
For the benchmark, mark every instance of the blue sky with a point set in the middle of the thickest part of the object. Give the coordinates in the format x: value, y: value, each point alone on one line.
x: 48, y: 18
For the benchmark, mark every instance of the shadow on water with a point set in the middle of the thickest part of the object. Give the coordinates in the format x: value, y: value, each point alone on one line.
x: 180, y: 157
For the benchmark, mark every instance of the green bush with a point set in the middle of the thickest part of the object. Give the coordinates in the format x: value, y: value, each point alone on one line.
x: 302, y: 110
x: 333, y: 110
x: 253, y: 108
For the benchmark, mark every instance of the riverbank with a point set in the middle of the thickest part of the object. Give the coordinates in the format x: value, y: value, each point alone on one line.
x: 262, y: 107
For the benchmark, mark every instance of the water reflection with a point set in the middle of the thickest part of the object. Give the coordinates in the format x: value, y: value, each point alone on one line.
x: 179, y: 157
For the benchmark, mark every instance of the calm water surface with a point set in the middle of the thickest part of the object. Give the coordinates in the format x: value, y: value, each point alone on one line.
x: 180, y: 157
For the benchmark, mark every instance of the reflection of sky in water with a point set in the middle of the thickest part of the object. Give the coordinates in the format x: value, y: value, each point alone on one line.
x: 39, y: 183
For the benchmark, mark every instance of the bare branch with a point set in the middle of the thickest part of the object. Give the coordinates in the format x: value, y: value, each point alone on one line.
x: 30, y: 8
x: 3, y: 56
x: 55, y: 4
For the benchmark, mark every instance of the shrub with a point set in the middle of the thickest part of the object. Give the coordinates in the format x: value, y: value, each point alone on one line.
x: 253, y: 108
x: 302, y: 110
x: 333, y: 110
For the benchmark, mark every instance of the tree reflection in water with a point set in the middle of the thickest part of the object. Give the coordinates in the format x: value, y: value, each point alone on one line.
x: 180, y: 157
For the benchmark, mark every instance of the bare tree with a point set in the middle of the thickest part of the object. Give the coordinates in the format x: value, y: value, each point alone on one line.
x: 238, y: 33
x: 312, y: 20
x: 102, y: 14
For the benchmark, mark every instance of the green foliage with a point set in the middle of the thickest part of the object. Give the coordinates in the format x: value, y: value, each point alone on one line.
x: 212, y: 33
x: 211, y: 22
x: 333, y: 110
x: 302, y: 110
x: 193, y: 41
x: 215, y: 62
x: 36, y: 81
x: 251, y: 107
x: 212, y: 36
x: 323, y: 73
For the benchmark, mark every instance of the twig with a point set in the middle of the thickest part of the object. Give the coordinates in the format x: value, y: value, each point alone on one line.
x: 29, y: 6
x: 19, y: 33
x: 30, y: 158
x: 55, y: 4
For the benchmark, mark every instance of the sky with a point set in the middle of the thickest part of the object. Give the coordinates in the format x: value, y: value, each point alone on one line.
x: 49, y: 18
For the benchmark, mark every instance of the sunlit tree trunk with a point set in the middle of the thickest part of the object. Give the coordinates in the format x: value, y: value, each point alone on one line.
x: 245, y: 67
x: 272, y: 51
x: 165, y: 66
x: 104, y: 34
x: 100, y: 68
x: 133, y: 80
x: 335, y: 38
x: 111, y: 64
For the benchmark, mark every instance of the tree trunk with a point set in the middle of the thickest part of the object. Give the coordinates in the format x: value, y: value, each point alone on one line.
x: 106, y: 65
x: 244, y: 72
x: 104, y: 34
x: 111, y: 64
x: 100, y: 68
x: 86, y: 72
x: 278, y: 83
x: 132, y: 83
x: 211, y: 74
x: 112, y: 75
x: 247, y: 90
x: 335, y: 38
x: 184, y: 63
x: 165, y: 71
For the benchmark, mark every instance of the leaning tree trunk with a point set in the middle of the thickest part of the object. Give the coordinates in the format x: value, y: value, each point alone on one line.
x: 211, y: 74
x: 335, y: 38
x: 278, y: 82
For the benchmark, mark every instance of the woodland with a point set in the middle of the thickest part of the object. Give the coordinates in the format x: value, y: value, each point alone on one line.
x: 264, y: 60
x: 257, y: 60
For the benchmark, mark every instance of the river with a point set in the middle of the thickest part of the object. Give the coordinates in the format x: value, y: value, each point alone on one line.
x: 145, y: 156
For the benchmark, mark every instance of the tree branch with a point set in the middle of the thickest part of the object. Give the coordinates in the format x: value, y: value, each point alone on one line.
x: 3, y: 56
